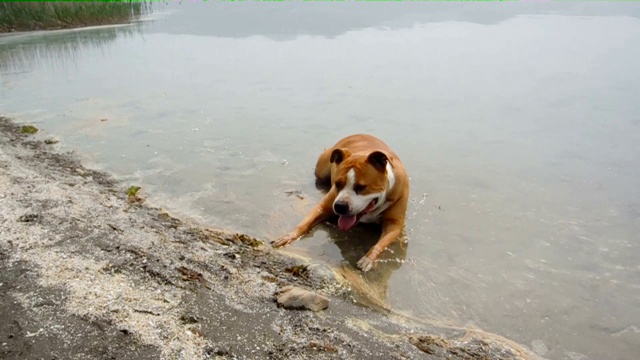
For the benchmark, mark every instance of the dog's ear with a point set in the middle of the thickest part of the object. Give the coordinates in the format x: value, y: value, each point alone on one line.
x: 379, y: 160
x: 338, y: 155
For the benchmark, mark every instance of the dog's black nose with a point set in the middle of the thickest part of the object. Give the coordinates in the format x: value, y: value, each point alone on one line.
x: 341, y: 208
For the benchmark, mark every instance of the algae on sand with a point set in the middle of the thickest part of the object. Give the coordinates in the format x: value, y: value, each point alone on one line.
x: 133, y: 190
x: 28, y: 129
x: 132, y: 194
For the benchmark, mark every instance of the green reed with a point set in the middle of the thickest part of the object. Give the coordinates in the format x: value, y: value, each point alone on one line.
x: 25, y: 16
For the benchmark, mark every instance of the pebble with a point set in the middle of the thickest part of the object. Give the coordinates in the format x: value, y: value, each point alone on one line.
x: 292, y: 297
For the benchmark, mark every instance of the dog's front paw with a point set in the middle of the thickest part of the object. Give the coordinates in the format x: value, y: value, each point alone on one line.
x: 365, y: 264
x: 285, y: 240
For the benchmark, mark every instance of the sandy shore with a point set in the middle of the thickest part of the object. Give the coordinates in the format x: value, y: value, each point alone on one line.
x: 88, y: 273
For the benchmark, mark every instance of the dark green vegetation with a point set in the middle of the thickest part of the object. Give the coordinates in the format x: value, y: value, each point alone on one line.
x: 26, y: 16
x: 132, y: 195
x: 133, y: 190
x: 29, y: 129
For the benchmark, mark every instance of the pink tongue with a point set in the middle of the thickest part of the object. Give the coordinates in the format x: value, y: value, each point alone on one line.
x: 346, y: 222
x: 369, y: 207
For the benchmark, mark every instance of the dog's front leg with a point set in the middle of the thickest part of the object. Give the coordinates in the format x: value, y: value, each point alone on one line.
x: 321, y: 212
x: 391, y: 231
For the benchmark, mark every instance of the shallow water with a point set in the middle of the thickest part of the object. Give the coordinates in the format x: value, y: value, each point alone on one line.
x: 519, y: 124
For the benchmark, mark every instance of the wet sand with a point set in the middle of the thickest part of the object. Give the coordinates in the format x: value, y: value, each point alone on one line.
x: 88, y: 272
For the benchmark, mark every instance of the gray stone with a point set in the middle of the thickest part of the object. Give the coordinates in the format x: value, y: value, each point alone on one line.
x: 291, y: 297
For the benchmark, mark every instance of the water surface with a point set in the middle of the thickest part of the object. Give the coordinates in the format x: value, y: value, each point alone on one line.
x: 518, y: 123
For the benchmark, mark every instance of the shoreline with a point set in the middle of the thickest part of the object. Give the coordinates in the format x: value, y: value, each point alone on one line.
x: 72, y: 29
x: 86, y: 270
x: 141, y: 20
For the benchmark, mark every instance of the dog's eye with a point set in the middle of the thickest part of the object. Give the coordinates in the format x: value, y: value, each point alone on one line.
x: 358, y: 188
x: 339, y: 184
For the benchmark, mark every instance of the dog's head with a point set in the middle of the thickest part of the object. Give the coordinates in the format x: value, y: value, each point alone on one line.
x: 362, y: 182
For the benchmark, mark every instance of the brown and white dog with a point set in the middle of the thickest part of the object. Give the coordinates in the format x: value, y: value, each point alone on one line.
x: 368, y: 184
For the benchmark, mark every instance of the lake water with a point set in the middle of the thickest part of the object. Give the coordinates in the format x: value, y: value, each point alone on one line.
x: 519, y: 124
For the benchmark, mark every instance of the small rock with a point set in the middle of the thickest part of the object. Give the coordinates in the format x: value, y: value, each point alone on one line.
x: 231, y: 256
x: 217, y: 351
x: 293, y: 192
x: 431, y: 345
x: 291, y: 297
x: 50, y: 141
x: 188, y: 319
x: 28, y: 218
x: 296, y: 193
x: 298, y: 271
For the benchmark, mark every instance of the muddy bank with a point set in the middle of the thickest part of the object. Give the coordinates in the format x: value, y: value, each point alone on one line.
x: 88, y: 271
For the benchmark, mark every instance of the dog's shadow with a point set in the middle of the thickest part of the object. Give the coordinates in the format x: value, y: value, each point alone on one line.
x: 369, y: 288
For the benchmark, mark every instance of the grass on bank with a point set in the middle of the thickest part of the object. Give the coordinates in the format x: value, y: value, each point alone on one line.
x: 26, y: 16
